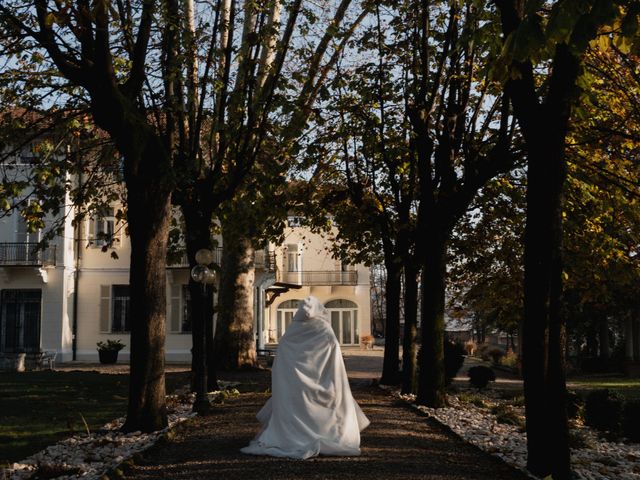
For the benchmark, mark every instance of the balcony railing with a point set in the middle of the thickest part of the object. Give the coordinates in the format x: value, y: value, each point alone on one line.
x: 27, y: 254
x: 262, y: 260
x: 338, y: 277
x: 183, y: 261
x: 265, y: 260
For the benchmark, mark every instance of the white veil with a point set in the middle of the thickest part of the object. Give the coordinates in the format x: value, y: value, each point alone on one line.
x: 311, y: 410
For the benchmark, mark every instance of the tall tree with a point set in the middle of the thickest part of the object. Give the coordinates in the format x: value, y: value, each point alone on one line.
x: 559, y: 36
x: 267, y: 138
x: 104, y: 54
x: 461, y: 139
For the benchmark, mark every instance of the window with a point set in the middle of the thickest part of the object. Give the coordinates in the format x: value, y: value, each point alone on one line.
x: 25, y: 250
x: 120, y: 309
x: 284, y: 316
x: 114, y: 309
x: 180, y: 309
x: 295, y: 221
x: 293, y: 258
x: 185, y: 324
x: 344, y: 321
x: 20, y: 321
x: 102, y: 229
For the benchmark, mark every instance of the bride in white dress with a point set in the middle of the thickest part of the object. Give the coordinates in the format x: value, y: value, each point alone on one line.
x: 311, y: 411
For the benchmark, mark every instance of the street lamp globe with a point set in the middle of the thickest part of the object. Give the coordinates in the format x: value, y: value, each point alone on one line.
x: 201, y: 274
x: 204, y: 256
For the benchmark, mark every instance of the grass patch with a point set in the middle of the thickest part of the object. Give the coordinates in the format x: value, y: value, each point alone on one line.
x: 626, y: 386
x: 38, y: 409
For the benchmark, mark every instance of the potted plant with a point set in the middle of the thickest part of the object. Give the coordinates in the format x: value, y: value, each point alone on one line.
x: 108, y: 351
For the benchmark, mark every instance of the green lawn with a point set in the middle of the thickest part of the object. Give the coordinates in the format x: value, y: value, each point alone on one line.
x: 627, y: 386
x: 40, y: 408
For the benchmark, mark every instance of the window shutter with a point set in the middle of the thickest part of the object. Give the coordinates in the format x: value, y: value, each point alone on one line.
x: 80, y: 229
x: 176, y: 294
x: 105, y: 307
x: 92, y: 231
x: 118, y: 233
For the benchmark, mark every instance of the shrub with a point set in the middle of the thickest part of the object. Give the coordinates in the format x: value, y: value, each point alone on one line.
x: 495, y: 354
x: 480, y: 376
x: 482, y: 350
x: 506, y: 414
x: 110, y: 345
x: 631, y: 423
x: 603, y: 410
x: 512, y: 398
x: 472, y: 399
x: 577, y: 439
x: 575, y: 406
x: 490, y: 353
x: 453, y: 359
x: 510, y: 359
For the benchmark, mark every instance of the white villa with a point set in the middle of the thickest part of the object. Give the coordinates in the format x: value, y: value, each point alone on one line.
x: 71, y: 295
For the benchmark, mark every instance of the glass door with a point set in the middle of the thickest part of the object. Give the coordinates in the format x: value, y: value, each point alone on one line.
x: 20, y: 323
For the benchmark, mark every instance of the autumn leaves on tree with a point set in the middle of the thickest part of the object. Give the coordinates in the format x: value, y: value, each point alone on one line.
x: 444, y: 139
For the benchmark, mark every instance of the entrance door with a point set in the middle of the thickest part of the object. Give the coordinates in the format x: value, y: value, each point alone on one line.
x: 344, y: 321
x: 284, y: 315
x: 20, y: 321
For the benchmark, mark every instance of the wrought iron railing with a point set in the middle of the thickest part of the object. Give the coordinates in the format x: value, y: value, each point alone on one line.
x: 330, y: 277
x: 27, y: 254
x: 262, y: 260
x: 265, y: 260
x: 183, y: 261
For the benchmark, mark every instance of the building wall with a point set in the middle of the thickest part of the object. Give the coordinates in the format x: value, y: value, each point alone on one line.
x: 315, y: 252
x: 98, y: 268
x: 177, y: 345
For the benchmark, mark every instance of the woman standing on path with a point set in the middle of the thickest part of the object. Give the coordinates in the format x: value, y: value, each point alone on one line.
x: 311, y: 411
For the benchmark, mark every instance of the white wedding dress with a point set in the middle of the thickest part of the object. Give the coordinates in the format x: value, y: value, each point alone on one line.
x: 311, y: 411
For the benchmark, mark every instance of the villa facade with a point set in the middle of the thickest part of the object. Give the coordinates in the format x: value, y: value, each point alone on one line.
x: 66, y: 298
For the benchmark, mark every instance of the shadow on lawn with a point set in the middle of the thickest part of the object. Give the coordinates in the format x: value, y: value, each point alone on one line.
x: 39, y: 408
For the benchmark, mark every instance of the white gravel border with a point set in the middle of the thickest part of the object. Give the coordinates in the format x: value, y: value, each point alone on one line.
x: 601, y: 460
x: 95, y: 454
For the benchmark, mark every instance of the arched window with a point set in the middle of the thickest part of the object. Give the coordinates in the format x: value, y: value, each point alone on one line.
x: 341, y: 304
x: 284, y: 315
x: 344, y: 320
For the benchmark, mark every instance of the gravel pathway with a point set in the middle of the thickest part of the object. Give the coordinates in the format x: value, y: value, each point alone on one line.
x: 399, y: 444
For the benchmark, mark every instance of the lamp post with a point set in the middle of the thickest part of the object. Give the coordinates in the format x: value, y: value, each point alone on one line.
x: 201, y: 273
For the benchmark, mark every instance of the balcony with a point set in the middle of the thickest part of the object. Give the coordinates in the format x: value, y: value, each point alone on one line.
x: 183, y: 261
x: 263, y: 260
x: 27, y: 255
x: 311, y: 278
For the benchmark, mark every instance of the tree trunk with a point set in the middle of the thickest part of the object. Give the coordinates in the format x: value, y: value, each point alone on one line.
x: 537, y: 253
x: 603, y: 336
x: 212, y: 370
x: 409, y: 345
x: 147, y: 175
x: 149, y: 214
x: 235, y: 337
x: 556, y: 377
x: 543, y: 359
x: 198, y: 236
x: 431, y: 384
x: 544, y: 127
x: 390, y: 364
